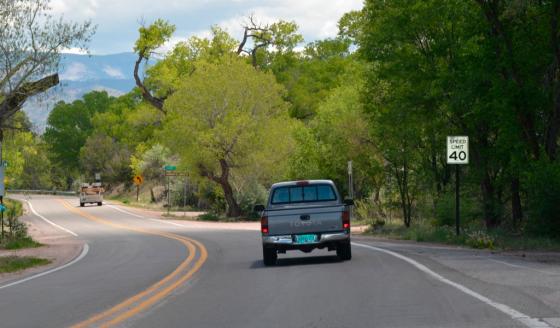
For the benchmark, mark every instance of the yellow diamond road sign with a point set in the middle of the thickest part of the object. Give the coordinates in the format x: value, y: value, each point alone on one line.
x: 138, y: 180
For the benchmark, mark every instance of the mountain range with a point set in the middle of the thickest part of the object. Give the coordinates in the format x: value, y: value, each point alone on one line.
x: 80, y: 74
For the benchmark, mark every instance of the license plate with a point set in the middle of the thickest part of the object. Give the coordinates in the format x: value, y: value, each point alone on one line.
x: 306, y: 239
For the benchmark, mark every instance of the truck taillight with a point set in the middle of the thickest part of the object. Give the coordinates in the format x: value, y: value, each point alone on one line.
x: 264, y: 225
x: 346, y: 220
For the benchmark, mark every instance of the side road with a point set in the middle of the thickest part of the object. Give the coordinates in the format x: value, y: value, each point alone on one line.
x: 58, y: 246
x: 523, y: 280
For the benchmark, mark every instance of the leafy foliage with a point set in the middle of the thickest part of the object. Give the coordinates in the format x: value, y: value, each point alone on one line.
x: 219, y: 112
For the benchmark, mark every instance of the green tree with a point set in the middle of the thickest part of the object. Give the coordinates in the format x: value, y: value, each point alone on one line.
x: 227, y: 117
x: 340, y: 132
x: 69, y: 126
x: 26, y: 154
x: 31, y: 39
x: 102, y: 154
x: 310, y: 77
x: 151, y: 38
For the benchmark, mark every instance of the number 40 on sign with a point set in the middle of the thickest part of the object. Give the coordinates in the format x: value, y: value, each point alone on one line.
x: 457, y: 150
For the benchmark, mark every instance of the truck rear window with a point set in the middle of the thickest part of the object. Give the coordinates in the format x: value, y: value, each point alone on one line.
x: 303, y: 194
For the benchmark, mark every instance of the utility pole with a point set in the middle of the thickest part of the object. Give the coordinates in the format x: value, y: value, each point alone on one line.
x: 351, y: 186
x: 2, y: 186
x: 185, y: 198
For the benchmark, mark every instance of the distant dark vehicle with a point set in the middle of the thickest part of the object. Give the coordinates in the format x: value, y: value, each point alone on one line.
x: 305, y: 215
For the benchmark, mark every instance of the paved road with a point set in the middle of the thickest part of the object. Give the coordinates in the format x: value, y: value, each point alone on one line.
x: 141, y: 272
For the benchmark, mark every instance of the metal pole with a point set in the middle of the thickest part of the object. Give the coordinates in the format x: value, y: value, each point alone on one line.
x: 2, y: 182
x: 185, y: 199
x: 457, y: 200
x: 168, y: 196
x: 351, y: 186
x: 137, y: 193
x: 2, y: 217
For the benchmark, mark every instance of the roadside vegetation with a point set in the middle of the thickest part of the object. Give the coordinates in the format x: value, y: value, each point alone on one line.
x: 236, y: 113
x: 10, y: 264
x: 13, y: 233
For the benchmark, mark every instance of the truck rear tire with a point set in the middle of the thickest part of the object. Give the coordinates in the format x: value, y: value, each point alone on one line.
x: 344, y: 251
x: 82, y: 204
x: 269, y: 256
x: 99, y: 204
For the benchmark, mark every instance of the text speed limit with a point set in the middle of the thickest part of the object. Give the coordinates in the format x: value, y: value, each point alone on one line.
x: 457, y: 150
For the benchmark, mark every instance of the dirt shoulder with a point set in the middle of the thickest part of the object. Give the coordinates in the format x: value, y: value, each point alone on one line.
x: 188, y: 219
x: 551, y: 257
x: 58, y: 247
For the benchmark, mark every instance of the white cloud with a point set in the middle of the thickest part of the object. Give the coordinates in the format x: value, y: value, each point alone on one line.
x: 110, y: 91
x: 74, y: 72
x: 114, y: 72
x: 316, y: 18
x: 74, y: 51
x: 118, y: 20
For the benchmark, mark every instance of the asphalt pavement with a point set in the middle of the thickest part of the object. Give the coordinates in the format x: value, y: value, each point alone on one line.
x: 144, y: 272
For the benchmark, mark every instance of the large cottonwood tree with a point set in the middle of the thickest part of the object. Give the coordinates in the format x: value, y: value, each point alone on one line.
x: 31, y: 42
x: 228, y: 119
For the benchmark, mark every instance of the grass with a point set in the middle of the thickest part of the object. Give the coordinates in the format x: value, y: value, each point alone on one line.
x: 470, y: 237
x: 148, y: 206
x: 15, y: 263
x: 25, y: 242
x: 212, y: 217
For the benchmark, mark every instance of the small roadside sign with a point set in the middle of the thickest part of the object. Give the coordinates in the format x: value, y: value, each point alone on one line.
x: 98, y: 177
x: 457, y: 154
x: 138, y: 180
x: 4, y: 163
x: 457, y: 150
x: 170, y: 168
x: 2, y: 208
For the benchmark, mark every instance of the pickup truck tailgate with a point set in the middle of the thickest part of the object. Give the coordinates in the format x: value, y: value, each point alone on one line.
x: 294, y: 220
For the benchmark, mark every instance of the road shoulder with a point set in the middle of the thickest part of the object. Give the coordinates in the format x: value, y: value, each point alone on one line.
x: 527, y: 281
x: 58, y: 248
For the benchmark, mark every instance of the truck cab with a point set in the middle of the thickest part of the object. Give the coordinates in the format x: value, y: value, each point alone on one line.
x: 305, y: 215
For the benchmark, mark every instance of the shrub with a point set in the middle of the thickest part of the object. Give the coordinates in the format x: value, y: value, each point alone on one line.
x: 445, y: 210
x: 209, y: 217
x: 479, y: 239
x: 543, y: 181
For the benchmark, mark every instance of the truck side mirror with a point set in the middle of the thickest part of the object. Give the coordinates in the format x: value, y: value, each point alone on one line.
x: 349, y: 202
x: 258, y: 208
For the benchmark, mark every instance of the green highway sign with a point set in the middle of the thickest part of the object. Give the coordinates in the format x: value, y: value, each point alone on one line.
x: 170, y: 168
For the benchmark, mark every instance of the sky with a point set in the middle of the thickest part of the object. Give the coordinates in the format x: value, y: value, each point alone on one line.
x: 118, y: 20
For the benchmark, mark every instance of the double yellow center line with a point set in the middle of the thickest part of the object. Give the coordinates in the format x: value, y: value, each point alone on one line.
x: 157, y: 291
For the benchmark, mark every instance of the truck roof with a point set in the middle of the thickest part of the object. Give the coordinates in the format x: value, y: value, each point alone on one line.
x: 295, y: 183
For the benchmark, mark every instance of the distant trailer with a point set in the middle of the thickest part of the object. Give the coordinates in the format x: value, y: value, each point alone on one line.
x: 91, y: 194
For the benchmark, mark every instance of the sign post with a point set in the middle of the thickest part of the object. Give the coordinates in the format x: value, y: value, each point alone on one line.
x: 138, y: 181
x: 167, y: 169
x: 457, y: 154
x: 351, y: 185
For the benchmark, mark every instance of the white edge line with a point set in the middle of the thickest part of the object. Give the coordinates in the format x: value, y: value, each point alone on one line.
x: 514, y: 314
x: 84, y: 252
x: 49, y: 221
x: 143, y: 217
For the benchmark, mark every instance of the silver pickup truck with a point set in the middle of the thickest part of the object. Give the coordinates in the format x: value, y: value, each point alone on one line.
x: 305, y: 215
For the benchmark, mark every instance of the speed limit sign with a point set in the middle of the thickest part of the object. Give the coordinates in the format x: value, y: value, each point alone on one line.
x: 457, y: 150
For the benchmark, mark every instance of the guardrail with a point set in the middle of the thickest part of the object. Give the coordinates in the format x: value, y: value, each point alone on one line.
x: 43, y: 192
